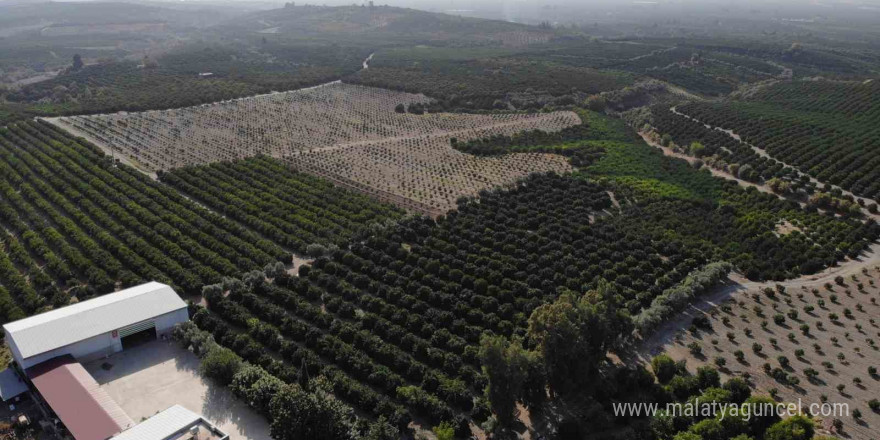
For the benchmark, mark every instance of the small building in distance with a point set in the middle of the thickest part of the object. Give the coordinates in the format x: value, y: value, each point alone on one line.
x: 97, y: 327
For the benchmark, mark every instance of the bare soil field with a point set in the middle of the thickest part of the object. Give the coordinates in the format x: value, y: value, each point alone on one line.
x: 352, y: 135
x: 813, y: 340
x: 280, y: 124
x: 425, y: 169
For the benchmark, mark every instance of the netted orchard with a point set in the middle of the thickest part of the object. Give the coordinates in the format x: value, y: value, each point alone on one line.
x: 352, y: 135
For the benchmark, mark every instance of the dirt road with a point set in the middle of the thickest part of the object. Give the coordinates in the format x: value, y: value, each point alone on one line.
x: 763, y: 153
x: 739, y: 285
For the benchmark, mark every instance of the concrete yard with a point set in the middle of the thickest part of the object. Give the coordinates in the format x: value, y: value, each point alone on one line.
x: 152, y: 377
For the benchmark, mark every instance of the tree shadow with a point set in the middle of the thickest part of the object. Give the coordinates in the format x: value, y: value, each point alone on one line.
x: 816, y: 381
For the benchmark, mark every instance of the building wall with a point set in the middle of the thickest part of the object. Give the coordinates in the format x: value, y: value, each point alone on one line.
x: 83, y: 351
x: 165, y: 323
x: 99, y: 346
x: 16, y: 353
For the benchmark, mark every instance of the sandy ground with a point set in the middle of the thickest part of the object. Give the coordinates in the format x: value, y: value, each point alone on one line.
x: 738, y: 285
x: 744, y: 317
x: 152, y: 377
x: 297, y: 262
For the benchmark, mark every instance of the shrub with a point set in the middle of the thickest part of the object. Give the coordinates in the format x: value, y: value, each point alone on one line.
x: 675, y: 298
x: 702, y: 322
x: 220, y: 364
x: 299, y: 415
x: 444, y: 431
x: 792, y: 428
x: 664, y: 368
x: 783, y: 361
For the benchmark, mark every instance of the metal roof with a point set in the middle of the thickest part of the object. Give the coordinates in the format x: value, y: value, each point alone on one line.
x: 162, y: 425
x: 88, y: 412
x: 10, y: 384
x: 76, y: 322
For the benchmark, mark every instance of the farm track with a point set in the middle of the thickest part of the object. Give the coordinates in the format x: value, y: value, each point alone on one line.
x: 56, y: 121
x: 453, y: 133
x: 763, y: 153
x: 668, y: 337
x: 715, y: 172
x: 739, y: 285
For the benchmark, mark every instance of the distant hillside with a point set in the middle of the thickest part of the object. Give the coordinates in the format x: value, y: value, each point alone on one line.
x: 385, y: 22
x: 100, y: 14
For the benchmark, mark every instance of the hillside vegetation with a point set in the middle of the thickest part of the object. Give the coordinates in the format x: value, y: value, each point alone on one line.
x: 829, y: 130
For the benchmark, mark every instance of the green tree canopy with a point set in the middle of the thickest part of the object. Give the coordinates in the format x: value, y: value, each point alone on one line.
x: 574, y: 333
x: 300, y: 415
x: 506, y: 365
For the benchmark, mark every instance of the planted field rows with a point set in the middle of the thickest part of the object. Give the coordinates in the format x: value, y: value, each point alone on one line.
x: 828, y: 130
x: 75, y: 225
x: 424, y: 170
x: 349, y: 134
x: 810, y: 340
x: 298, y: 211
x: 399, y: 345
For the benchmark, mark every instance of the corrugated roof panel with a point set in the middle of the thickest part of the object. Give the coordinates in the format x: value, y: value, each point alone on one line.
x: 86, y: 410
x: 161, y: 425
x: 67, y: 325
x: 10, y: 384
x: 100, y: 395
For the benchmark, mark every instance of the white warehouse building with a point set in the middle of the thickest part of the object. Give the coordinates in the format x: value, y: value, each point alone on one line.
x: 97, y: 327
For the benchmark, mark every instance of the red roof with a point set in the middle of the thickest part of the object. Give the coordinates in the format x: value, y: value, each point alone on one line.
x: 86, y: 410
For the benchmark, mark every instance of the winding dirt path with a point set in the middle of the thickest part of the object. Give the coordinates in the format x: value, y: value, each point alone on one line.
x: 763, y: 153
x: 715, y: 172
x: 739, y: 285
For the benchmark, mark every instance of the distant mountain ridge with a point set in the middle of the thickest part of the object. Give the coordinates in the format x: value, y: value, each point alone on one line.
x: 377, y: 21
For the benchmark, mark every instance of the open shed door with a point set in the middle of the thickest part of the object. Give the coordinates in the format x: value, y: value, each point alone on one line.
x: 137, y: 334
